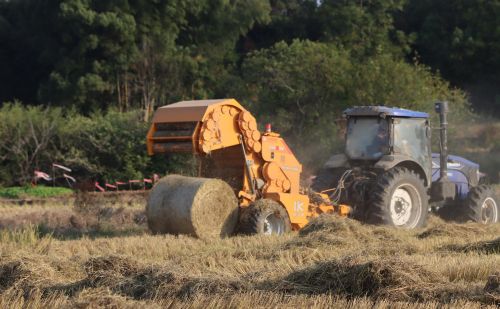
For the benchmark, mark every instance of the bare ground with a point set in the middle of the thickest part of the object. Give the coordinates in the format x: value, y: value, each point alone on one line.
x: 104, y: 257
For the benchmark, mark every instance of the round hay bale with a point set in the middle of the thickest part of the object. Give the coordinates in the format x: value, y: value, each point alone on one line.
x: 201, y: 207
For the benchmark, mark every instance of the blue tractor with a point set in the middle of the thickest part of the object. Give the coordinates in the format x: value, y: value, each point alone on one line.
x: 388, y: 174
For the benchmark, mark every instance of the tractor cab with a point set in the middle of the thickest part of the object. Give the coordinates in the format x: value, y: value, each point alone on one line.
x: 383, y: 137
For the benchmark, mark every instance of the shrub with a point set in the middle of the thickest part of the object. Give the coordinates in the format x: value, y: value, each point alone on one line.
x: 304, y: 87
x: 38, y: 191
x: 105, y: 146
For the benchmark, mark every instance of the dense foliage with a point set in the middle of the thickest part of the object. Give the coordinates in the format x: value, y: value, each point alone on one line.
x: 109, y: 146
x: 303, y: 88
x: 95, y: 54
x: 104, y: 66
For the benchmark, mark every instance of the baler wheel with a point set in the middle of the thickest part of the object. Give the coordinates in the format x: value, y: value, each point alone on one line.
x: 482, y: 205
x: 398, y: 198
x: 265, y: 217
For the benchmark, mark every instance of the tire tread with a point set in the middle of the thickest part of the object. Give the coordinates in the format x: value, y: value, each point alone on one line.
x: 251, y: 216
x: 378, y: 210
x: 471, y: 209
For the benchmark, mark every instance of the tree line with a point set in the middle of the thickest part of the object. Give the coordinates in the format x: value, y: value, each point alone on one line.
x: 106, y: 146
x: 136, y: 53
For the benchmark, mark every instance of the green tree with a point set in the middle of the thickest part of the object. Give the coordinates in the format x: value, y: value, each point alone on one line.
x: 91, y: 54
x: 105, y: 146
x: 303, y: 88
x: 96, y: 42
x: 364, y: 27
x: 182, y: 53
x: 461, y: 39
x: 297, y: 87
x: 212, y: 37
x: 26, y: 140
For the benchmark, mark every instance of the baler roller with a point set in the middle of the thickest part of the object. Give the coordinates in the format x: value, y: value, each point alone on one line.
x: 207, y: 125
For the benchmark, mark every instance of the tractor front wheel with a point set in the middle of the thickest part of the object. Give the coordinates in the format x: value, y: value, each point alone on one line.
x: 265, y: 217
x: 398, y: 198
x: 481, y: 205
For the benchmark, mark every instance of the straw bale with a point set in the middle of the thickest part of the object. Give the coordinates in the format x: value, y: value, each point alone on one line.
x: 201, y: 207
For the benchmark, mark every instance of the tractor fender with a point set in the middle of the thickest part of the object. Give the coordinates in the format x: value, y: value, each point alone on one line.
x: 390, y: 161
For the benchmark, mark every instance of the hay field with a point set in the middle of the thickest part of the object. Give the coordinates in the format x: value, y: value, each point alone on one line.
x: 105, y: 257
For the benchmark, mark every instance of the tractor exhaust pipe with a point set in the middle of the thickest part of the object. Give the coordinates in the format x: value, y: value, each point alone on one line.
x: 443, y: 189
x: 442, y: 109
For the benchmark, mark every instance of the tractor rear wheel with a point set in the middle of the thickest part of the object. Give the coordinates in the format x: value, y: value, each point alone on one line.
x: 398, y: 198
x: 265, y: 217
x: 481, y: 205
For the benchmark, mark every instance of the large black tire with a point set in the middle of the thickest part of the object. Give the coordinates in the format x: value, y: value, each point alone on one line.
x: 398, y: 198
x: 481, y: 205
x: 327, y: 178
x: 265, y: 217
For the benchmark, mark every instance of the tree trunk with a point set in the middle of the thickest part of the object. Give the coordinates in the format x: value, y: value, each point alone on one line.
x: 119, y: 93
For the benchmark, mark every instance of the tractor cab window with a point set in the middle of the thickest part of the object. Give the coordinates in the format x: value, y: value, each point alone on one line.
x: 411, y: 138
x: 367, y: 138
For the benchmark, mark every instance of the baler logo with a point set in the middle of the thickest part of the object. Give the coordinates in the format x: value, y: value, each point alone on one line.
x: 298, y: 208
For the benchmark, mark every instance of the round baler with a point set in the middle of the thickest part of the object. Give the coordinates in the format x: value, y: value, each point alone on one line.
x: 248, y: 181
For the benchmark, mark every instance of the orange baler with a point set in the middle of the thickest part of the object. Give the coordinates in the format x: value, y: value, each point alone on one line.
x: 259, y: 166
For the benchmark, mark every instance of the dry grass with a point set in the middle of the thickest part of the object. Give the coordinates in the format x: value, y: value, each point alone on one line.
x: 332, y: 263
x: 63, y: 220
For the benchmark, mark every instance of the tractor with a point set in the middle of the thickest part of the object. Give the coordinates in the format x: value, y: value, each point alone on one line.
x: 388, y: 174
